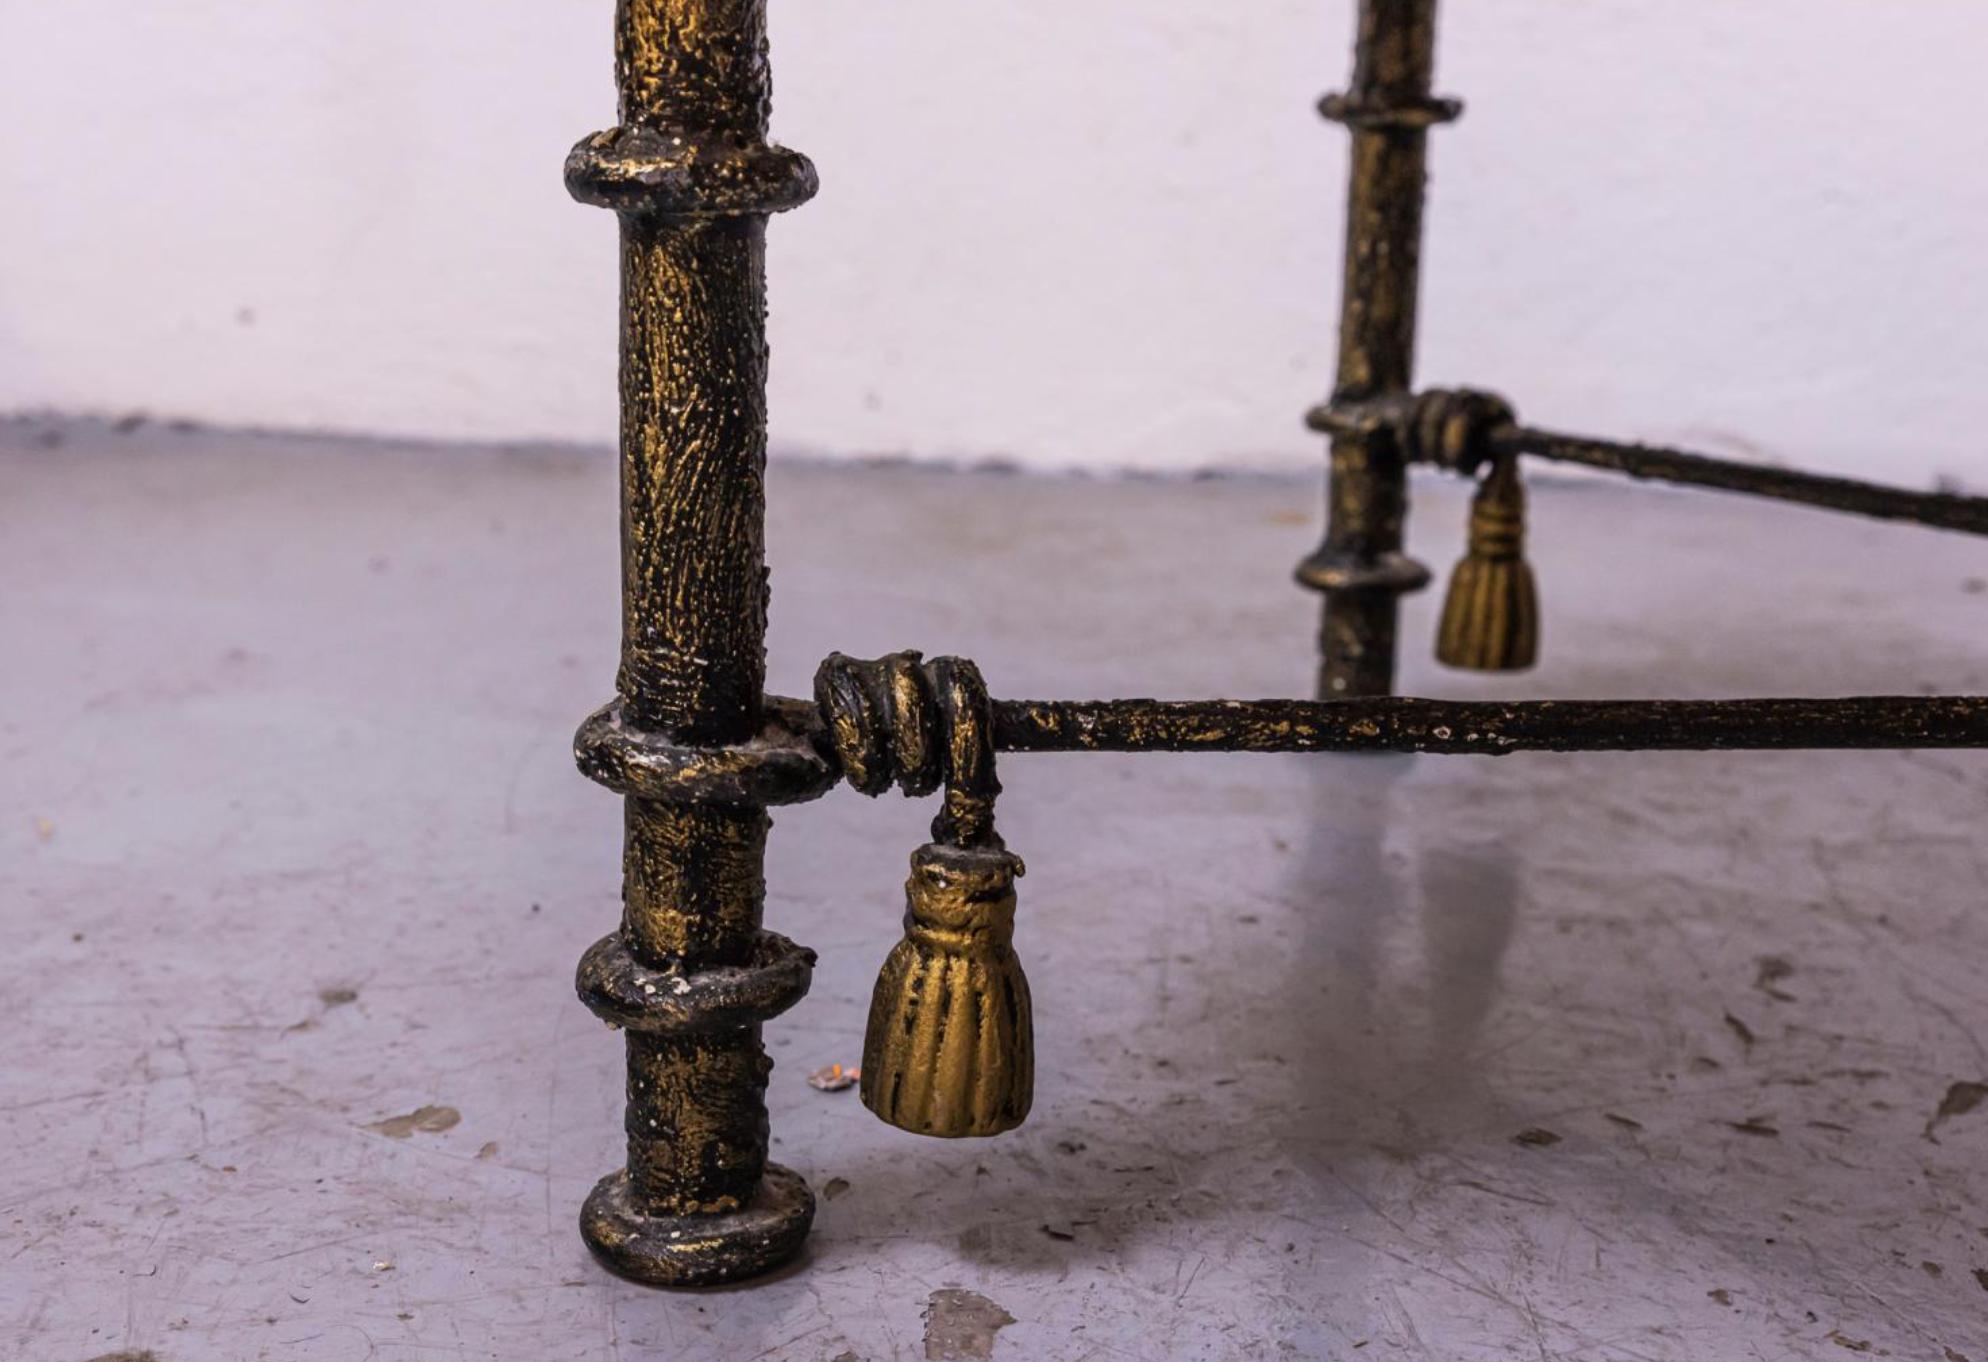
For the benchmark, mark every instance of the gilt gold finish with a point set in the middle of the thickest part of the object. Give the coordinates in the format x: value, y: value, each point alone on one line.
x: 950, y: 1049
x: 699, y: 752
x: 1491, y: 615
x: 693, y: 178
x: 1360, y: 567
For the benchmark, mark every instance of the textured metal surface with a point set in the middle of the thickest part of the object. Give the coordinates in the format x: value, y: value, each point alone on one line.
x: 1461, y: 430
x: 1360, y: 566
x: 1491, y: 611
x: 621, y: 1227
x: 1939, y: 510
x: 1489, y: 727
x: 1456, y: 727
x: 918, y: 725
x: 949, y: 1050
x: 950, y: 1046
x: 1451, y: 727
x: 698, y: 752
x: 624, y: 992
x: 693, y: 177
x: 778, y: 765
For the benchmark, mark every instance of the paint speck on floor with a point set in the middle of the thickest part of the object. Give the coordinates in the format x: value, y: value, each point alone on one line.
x: 430, y: 1119
x: 960, y: 1326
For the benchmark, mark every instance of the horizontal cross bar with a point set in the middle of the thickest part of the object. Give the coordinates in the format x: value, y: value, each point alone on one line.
x: 1940, y: 510
x: 796, y: 756
x: 1488, y: 728
x: 1460, y: 430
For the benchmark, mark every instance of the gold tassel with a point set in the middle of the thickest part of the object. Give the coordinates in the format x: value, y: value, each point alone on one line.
x: 1491, y: 616
x: 950, y: 1049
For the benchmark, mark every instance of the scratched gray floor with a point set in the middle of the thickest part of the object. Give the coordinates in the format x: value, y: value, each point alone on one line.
x: 291, y: 846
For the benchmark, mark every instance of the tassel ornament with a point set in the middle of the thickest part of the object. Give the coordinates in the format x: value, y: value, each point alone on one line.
x: 1491, y: 615
x: 950, y: 1049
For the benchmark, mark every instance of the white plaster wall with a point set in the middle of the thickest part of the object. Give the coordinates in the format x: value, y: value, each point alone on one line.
x: 1100, y: 233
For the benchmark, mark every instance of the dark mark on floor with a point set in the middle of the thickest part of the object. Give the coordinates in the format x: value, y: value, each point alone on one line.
x: 1830, y: 1126
x: 1756, y: 1125
x: 431, y: 1119
x: 146, y: 1356
x: 1705, y: 1063
x: 1499, y: 1192
x: 1626, y: 1122
x: 1932, y: 1269
x: 1536, y: 1138
x: 1071, y: 1146
x: 1064, y: 1231
x: 960, y: 1326
x: 834, y: 1188
x: 1770, y: 970
x: 338, y: 997
x: 1741, y: 1029
x: 1855, y: 1345
x: 1722, y: 1296
x: 1961, y: 1099
x: 1981, y: 1276
x: 488, y: 1151
x: 1953, y: 1356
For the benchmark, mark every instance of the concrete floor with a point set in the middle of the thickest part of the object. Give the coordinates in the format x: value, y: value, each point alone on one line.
x: 1601, y: 1057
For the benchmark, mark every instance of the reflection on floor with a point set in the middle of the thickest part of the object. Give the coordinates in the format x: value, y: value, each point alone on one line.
x: 1548, y: 1057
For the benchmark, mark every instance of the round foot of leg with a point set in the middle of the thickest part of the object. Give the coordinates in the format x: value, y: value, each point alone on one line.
x: 665, y: 1250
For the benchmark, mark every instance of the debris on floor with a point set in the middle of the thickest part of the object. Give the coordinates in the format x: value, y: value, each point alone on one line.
x: 834, y: 1078
x: 429, y: 1119
x: 960, y: 1326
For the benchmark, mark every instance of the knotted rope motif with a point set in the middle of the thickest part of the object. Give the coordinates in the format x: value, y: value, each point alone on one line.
x: 950, y: 1046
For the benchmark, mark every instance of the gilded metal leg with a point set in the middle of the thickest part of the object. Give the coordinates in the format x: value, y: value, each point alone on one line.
x: 690, y: 974
x: 1360, y: 566
x: 699, y: 752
